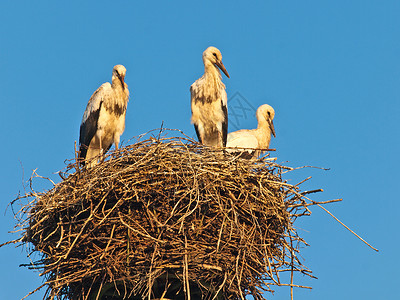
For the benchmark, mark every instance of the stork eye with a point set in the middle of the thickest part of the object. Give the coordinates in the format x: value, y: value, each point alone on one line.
x: 215, y: 54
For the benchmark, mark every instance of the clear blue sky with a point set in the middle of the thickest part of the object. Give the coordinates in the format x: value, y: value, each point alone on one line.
x: 331, y: 70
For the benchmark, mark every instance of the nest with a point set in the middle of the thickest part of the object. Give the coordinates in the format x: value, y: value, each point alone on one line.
x: 166, y: 218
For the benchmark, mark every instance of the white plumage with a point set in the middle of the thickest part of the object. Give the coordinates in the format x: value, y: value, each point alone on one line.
x: 256, y: 138
x: 209, y: 101
x: 104, y: 119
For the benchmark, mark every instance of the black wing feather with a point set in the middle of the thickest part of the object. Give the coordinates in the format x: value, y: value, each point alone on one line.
x: 87, y: 131
x: 195, y: 125
x: 224, y: 124
x: 198, y: 133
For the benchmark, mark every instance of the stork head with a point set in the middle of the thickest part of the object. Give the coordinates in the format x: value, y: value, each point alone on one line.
x: 119, y: 72
x: 213, y: 55
x: 266, y: 112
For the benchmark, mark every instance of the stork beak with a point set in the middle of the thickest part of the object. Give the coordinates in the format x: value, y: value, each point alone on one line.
x: 271, y: 126
x: 121, y: 78
x: 222, y: 67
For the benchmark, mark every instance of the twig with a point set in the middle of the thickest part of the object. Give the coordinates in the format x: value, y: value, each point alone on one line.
x: 347, y: 227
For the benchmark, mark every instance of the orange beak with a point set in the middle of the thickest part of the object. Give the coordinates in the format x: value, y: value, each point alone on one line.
x: 121, y: 78
x: 222, y: 67
x: 271, y: 126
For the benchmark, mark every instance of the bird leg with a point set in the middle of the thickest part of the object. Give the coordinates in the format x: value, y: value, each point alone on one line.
x: 220, y: 140
x: 116, y: 147
x: 116, y: 142
x: 101, y: 150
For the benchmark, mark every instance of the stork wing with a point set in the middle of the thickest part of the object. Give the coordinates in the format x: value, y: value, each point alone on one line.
x: 196, y: 128
x: 192, y: 105
x: 90, y: 118
x: 242, y: 139
x: 225, y: 122
x: 200, y: 120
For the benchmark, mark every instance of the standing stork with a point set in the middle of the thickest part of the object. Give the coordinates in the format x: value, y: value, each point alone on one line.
x: 104, y: 119
x: 256, y: 138
x: 209, y: 101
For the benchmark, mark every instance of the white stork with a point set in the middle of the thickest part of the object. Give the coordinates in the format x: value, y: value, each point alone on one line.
x: 209, y: 101
x: 256, y: 138
x: 104, y: 119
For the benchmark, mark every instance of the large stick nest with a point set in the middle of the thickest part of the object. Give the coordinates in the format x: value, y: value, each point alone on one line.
x: 166, y: 218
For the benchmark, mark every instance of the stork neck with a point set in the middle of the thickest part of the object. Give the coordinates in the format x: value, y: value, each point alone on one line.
x: 120, y: 88
x: 211, y: 70
x: 263, y: 132
x: 116, y: 83
x: 262, y: 124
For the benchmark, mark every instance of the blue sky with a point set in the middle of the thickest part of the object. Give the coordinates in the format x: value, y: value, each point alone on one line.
x: 331, y: 70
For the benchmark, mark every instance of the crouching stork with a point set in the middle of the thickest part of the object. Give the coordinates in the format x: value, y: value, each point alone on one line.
x: 254, y: 140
